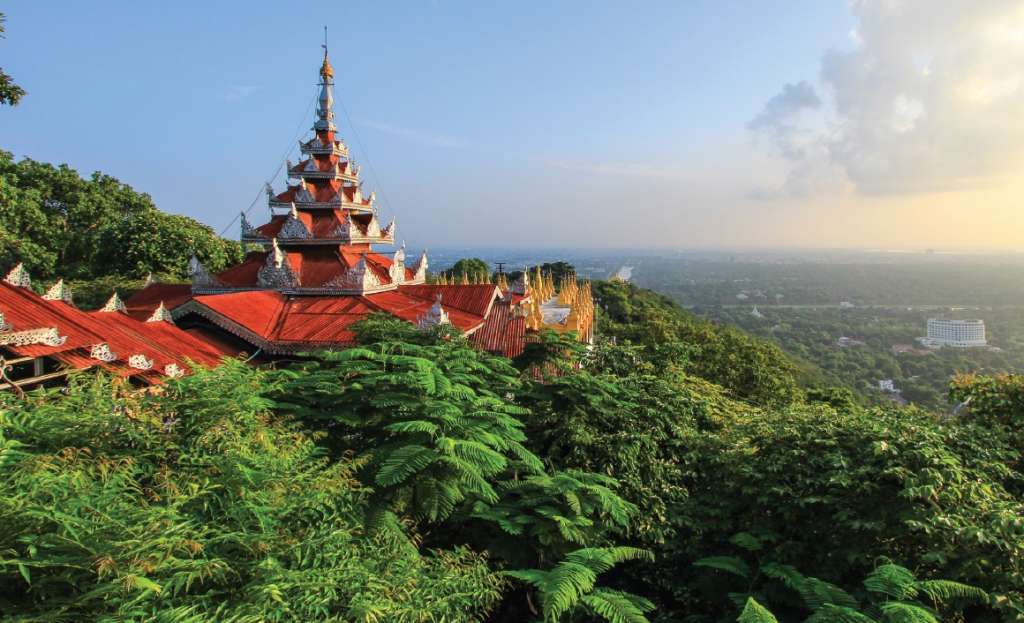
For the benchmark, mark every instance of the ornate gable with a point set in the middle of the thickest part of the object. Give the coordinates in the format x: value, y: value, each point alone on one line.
x: 277, y: 273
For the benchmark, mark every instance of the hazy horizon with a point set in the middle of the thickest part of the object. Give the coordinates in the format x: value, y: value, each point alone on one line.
x: 808, y: 126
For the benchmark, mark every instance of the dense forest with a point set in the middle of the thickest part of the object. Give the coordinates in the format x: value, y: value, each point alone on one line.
x: 414, y: 478
x: 675, y: 471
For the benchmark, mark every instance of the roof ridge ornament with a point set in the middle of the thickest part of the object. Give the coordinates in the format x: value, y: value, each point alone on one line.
x: 294, y: 228
x: 48, y: 336
x: 161, y: 314
x: 59, y: 291
x: 140, y: 362
x: 18, y: 276
x: 435, y: 316
x: 248, y: 231
x: 102, y: 352
x: 420, y: 268
x: 276, y: 272
x: 114, y: 304
x: 199, y: 275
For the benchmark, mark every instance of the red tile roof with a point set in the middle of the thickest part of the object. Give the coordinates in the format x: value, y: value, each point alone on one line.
x: 159, y: 342
x: 503, y: 333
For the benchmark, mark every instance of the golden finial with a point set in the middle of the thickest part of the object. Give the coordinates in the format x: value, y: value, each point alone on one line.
x: 326, y: 71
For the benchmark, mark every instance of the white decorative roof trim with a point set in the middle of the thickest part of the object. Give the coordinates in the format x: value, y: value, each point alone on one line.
x: 294, y: 228
x: 139, y: 362
x: 114, y: 304
x: 302, y: 195
x: 359, y: 279
x: 276, y: 273
x: 200, y: 277
x: 434, y: 317
x: 102, y: 352
x: 173, y: 370
x: 59, y: 291
x: 248, y: 231
x: 18, y: 277
x: 46, y: 337
x: 4, y: 327
x: 421, y: 269
x: 161, y: 314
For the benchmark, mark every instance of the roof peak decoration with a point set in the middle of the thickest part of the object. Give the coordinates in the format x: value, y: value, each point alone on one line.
x: 276, y: 272
x: 161, y: 314
x: 114, y: 304
x: 47, y: 336
x: 102, y: 352
x: 293, y: 228
x: 359, y: 279
x: 435, y: 316
x: 199, y: 275
x: 59, y: 291
x: 18, y: 277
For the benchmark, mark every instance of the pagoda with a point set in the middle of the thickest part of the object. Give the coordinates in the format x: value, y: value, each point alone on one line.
x: 313, y: 272
x: 322, y: 228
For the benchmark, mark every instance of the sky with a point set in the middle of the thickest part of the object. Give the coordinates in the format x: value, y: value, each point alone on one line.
x: 581, y: 124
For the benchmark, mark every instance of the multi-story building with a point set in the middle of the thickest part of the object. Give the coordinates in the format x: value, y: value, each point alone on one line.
x: 957, y: 333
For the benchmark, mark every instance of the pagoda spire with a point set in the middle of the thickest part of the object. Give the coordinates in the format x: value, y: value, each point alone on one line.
x: 325, y: 103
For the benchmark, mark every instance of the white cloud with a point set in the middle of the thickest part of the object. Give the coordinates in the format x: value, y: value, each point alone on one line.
x: 417, y: 136
x: 931, y: 99
x: 237, y: 93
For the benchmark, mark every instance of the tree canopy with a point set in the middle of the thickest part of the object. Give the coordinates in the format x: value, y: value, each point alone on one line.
x: 62, y: 225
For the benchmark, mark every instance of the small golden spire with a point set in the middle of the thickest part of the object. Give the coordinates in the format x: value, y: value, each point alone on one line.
x: 326, y: 71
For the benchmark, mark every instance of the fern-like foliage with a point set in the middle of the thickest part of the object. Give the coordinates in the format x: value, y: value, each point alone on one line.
x: 570, y: 585
x: 754, y: 612
x: 892, y: 591
x: 199, y: 504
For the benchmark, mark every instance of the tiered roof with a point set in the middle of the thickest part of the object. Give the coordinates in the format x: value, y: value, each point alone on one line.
x: 316, y: 273
x: 50, y: 326
x: 321, y: 243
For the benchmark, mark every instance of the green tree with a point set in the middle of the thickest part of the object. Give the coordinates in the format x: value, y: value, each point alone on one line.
x: 196, y: 504
x: 61, y: 225
x: 10, y: 93
x: 474, y: 269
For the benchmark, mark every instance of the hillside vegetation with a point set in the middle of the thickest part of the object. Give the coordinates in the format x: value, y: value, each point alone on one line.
x: 414, y: 478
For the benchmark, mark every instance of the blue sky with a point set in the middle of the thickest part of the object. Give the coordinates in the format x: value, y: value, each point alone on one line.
x: 565, y: 123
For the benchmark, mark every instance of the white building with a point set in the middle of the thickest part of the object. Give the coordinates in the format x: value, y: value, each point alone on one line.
x: 887, y: 385
x: 957, y: 333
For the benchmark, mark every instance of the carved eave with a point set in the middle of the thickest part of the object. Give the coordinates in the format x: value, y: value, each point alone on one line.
x: 102, y: 352
x: 397, y: 270
x: 201, y: 279
x: 59, y: 291
x: 276, y: 273
x: 420, y: 268
x: 309, y: 170
x: 114, y: 304
x: 18, y: 277
x: 435, y: 316
x: 48, y: 336
x: 173, y: 370
x: 4, y: 326
x: 359, y: 279
x: 140, y: 362
x: 294, y: 228
x: 316, y: 147
x: 161, y: 314
x: 248, y: 231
